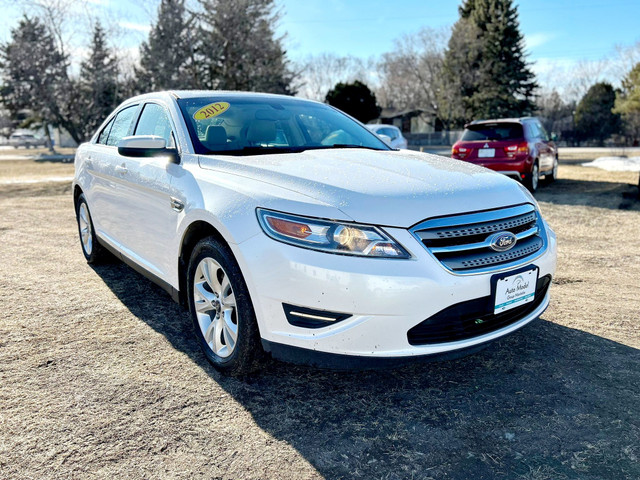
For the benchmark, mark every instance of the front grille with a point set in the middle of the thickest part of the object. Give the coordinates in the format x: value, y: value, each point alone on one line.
x: 472, y: 319
x: 462, y: 242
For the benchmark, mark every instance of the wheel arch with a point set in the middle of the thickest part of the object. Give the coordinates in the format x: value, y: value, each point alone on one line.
x: 195, y: 232
x: 77, y: 191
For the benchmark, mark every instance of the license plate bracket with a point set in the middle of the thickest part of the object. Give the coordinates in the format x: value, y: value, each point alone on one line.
x: 514, y: 289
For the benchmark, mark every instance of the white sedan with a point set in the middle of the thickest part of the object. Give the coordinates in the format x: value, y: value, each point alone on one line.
x: 288, y: 228
x: 393, y: 133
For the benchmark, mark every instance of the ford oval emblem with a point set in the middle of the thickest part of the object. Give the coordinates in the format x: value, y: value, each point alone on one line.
x: 502, y: 241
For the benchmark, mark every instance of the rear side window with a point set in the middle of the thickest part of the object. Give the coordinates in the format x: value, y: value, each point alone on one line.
x: 155, y: 121
x: 493, y: 131
x: 104, y: 134
x: 121, y: 125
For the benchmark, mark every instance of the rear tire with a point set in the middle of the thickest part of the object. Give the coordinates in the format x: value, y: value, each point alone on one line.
x: 92, y: 250
x: 532, y: 180
x: 221, y: 310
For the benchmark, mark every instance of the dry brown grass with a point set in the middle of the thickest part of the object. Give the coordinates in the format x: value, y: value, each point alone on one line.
x: 26, y: 170
x: 100, y: 376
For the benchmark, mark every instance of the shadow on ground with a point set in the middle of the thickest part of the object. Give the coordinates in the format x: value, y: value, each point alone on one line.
x: 548, y: 402
x: 612, y: 195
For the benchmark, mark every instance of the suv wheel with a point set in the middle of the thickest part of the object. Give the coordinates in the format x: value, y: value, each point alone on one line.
x: 221, y: 309
x: 554, y: 173
x: 532, y: 180
x: 91, y: 248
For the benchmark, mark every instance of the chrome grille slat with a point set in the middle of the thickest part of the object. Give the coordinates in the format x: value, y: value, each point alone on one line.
x: 479, y: 229
x: 466, y: 247
x: 478, y: 245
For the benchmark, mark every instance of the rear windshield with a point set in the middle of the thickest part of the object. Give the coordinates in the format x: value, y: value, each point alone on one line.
x: 493, y: 131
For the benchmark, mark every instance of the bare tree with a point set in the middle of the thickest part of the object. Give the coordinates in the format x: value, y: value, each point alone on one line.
x: 317, y: 74
x: 411, y: 75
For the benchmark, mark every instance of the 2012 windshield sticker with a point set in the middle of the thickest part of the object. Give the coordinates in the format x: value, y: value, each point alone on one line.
x: 211, y: 110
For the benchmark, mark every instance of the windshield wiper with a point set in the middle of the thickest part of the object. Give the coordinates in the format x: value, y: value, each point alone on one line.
x: 343, y: 145
x: 259, y: 150
x: 256, y: 150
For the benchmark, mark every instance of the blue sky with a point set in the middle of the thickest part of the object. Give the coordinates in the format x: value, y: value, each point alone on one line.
x: 559, y: 32
x: 558, y: 29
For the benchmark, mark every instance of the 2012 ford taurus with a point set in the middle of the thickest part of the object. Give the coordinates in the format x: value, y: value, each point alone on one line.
x: 285, y: 226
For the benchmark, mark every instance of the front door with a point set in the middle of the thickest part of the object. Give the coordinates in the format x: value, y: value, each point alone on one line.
x: 152, y: 212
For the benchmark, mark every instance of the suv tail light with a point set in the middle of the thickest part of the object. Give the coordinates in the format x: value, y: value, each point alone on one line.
x: 460, y: 152
x: 521, y: 148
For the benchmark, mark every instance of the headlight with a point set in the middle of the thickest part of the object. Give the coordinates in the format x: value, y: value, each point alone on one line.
x: 331, y: 237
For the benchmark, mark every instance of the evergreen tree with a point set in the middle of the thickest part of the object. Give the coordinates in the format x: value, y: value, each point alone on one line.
x: 628, y: 104
x: 485, y: 62
x: 355, y: 99
x: 98, y: 86
x: 34, y: 77
x: 167, y: 58
x: 238, y: 49
x: 594, y: 117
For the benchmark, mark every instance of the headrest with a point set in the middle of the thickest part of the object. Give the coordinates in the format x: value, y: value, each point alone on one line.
x: 261, y: 131
x: 215, y: 135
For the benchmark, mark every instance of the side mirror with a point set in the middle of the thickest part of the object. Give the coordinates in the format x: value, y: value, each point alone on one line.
x: 554, y: 137
x: 147, y: 146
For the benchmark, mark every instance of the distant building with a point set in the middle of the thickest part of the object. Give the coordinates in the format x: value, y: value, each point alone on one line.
x: 410, y: 121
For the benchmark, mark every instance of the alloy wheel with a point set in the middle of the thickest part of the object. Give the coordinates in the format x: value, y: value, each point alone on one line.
x: 535, y: 177
x: 86, y: 235
x: 215, y: 307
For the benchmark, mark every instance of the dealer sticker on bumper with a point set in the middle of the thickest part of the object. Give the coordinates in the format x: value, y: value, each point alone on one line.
x: 515, y: 290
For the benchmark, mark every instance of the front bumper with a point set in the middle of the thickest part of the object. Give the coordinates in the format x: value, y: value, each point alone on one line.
x: 385, y: 297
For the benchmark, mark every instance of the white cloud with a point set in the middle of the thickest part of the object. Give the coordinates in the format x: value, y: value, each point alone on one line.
x: 538, y: 39
x: 139, y: 27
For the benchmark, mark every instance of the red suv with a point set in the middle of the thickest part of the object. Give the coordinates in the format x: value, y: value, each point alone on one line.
x: 517, y: 147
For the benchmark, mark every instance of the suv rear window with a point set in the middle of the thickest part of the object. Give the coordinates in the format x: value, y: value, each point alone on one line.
x: 492, y: 131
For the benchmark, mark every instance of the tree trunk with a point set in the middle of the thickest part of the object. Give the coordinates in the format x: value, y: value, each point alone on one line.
x: 47, y: 133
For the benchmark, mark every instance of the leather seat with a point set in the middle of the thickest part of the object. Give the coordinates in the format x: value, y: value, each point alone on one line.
x: 261, y: 131
x: 215, y: 138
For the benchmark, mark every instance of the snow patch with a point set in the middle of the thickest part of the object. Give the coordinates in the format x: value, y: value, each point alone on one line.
x: 616, y: 164
x: 35, y: 180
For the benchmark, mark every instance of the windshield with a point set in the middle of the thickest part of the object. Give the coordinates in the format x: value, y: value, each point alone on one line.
x: 492, y: 131
x: 235, y: 125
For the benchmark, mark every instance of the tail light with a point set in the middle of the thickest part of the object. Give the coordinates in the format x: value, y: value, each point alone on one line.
x: 521, y: 148
x: 460, y: 152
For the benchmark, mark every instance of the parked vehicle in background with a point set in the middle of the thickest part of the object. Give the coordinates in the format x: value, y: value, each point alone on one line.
x: 285, y: 226
x: 392, y: 132
x: 26, y: 140
x: 518, y: 147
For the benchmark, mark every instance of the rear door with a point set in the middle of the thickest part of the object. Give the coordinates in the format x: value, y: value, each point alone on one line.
x: 546, y: 153
x: 151, y: 216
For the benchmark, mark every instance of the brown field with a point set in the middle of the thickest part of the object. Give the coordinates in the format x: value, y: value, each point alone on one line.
x: 100, y: 376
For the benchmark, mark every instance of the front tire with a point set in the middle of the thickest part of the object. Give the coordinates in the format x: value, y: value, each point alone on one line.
x: 91, y: 249
x: 221, y: 310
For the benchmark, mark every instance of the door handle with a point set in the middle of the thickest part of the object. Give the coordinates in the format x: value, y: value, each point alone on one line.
x: 176, y: 204
x: 121, y: 169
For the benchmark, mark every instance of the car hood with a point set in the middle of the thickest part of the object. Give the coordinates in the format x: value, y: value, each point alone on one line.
x: 393, y: 188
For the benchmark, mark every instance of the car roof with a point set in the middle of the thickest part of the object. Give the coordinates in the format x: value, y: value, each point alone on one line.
x: 520, y: 120
x: 178, y: 94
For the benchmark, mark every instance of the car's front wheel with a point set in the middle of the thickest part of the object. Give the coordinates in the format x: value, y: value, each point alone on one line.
x: 221, y: 310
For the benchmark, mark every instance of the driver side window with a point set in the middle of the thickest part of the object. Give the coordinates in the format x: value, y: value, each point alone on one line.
x: 154, y: 120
